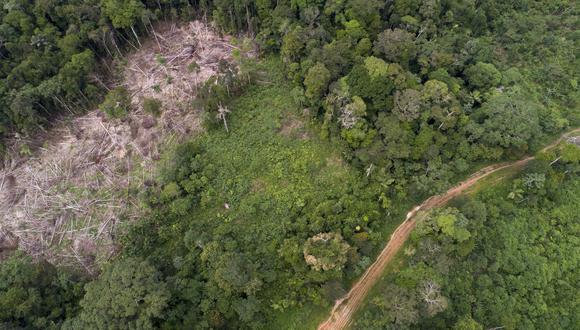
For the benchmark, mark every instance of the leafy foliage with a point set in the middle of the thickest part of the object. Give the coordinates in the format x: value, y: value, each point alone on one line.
x: 326, y: 251
x: 128, y: 294
x: 502, y: 259
x: 483, y: 76
x: 49, y: 52
x: 36, y: 295
x: 410, y: 95
x: 238, y: 216
x: 116, y: 103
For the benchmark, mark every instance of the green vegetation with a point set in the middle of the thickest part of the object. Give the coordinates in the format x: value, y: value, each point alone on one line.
x: 49, y: 52
x: 116, y: 103
x: 152, y: 106
x: 357, y: 109
x: 128, y: 294
x: 506, y: 256
x: 252, y: 222
x: 36, y: 294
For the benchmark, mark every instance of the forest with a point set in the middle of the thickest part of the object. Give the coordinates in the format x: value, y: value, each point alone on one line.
x: 311, y: 154
x: 505, y: 256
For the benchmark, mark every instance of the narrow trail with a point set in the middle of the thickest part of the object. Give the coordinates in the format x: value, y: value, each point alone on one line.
x: 345, y: 307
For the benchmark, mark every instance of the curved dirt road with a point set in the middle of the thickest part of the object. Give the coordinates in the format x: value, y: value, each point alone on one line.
x: 345, y: 307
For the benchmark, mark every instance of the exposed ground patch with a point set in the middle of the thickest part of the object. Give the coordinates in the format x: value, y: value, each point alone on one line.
x: 66, y: 201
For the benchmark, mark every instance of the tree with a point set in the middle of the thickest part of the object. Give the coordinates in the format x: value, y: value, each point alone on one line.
x: 431, y: 295
x: 36, y: 295
x: 396, y: 46
x: 401, y: 305
x: 452, y: 224
x: 483, y: 76
x: 394, y: 308
x: 326, y: 251
x: 367, y: 12
x: 352, y: 112
x: 222, y: 114
x: 22, y: 111
x: 352, y: 31
x: 123, y: 14
x: 407, y: 104
x: 467, y: 323
x: 510, y: 120
x: 316, y: 81
x: 436, y: 92
x: 396, y: 136
x: 129, y: 294
x: 74, y: 74
x: 570, y: 152
x: 292, y: 45
x: 373, y: 81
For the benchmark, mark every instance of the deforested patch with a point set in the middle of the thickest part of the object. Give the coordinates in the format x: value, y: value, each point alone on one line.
x: 66, y: 200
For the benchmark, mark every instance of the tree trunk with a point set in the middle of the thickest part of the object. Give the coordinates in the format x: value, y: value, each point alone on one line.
x: 105, y: 43
x: 64, y: 105
x: 155, y: 35
x: 225, y: 123
x: 128, y: 41
x: 136, y: 37
x: 116, y: 46
x: 248, y: 21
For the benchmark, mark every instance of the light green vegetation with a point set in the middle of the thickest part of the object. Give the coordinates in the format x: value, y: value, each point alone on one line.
x: 244, y: 207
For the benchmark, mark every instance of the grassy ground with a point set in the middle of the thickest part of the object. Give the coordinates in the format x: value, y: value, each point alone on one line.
x: 271, y: 160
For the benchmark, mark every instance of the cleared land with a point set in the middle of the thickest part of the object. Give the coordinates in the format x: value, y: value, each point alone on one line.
x: 65, y: 201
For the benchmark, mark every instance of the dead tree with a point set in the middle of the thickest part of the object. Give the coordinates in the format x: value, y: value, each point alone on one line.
x: 431, y: 295
x: 221, y: 115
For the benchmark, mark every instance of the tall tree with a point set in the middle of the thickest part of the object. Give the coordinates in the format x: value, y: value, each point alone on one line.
x: 36, y: 295
x: 129, y: 294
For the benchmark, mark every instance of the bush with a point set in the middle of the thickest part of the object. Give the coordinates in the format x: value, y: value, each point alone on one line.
x: 117, y: 103
x: 152, y: 106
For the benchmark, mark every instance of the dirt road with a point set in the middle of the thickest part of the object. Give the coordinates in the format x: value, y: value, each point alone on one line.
x: 345, y: 307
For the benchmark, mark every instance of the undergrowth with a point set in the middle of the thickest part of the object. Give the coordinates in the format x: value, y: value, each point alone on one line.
x: 237, y: 207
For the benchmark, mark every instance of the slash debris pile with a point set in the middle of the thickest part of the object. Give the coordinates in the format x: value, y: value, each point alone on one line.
x: 66, y: 201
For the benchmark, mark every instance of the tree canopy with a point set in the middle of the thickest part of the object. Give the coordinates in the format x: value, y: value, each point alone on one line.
x: 352, y: 111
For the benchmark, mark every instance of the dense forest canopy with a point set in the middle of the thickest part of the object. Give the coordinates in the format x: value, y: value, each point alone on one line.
x: 355, y: 110
x: 507, y: 257
x: 411, y: 85
x: 50, y: 53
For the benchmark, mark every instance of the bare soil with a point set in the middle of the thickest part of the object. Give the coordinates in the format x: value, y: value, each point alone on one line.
x: 345, y: 307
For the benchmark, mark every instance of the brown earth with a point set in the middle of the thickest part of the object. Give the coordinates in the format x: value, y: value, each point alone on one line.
x: 345, y: 307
